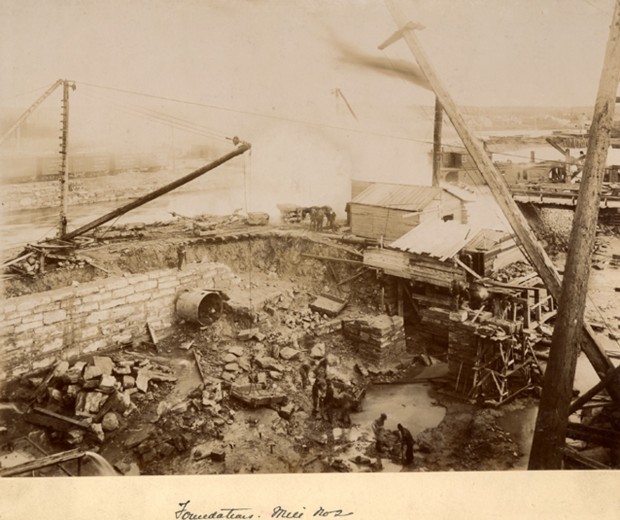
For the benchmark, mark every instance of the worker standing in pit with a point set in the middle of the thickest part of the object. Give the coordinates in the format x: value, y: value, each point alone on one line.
x: 304, y: 372
x: 378, y: 428
x: 406, y: 445
x: 328, y: 402
x: 318, y: 394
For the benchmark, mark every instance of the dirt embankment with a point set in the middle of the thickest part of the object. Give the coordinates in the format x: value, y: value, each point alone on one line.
x: 279, y: 254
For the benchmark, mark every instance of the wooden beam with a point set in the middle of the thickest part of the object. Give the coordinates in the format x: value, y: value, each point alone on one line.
x: 534, y: 250
x: 583, y: 461
x: 553, y: 411
x: 467, y: 268
x: 332, y: 259
x: 437, y: 127
x: 44, y: 462
x: 553, y: 143
x: 601, y: 436
x: 583, y: 399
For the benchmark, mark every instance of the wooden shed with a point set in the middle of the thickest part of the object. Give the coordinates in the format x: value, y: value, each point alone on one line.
x: 388, y: 211
x: 434, y: 253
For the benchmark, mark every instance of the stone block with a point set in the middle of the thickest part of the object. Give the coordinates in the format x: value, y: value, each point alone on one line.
x: 43, y: 363
x: 236, y: 351
x: 24, y: 327
x: 229, y: 358
x: 115, y: 284
x: 85, y: 308
x: 51, y: 346
x: 121, y: 312
x: 135, y: 279
x: 92, y: 372
x: 318, y: 351
x: 54, y: 316
x: 85, y: 290
x: 246, y: 334
x: 104, y: 363
x: 168, y: 284
x: 98, y: 317
x: 24, y: 342
x: 110, y: 303
x: 142, y: 381
x: 122, y: 293
x: 269, y: 363
x: 138, y: 297
x: 288, y: 353
x: 228, y: 376
x: 88, y: 332
x: 107, y: 383
x: 95, y: 345
x: 61, y: 294
x: 27, y: 303
x: 129, y: 382
x: 148, y: 285
x: 110, y: 422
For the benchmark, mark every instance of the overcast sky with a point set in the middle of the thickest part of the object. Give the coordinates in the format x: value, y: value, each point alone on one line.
x: 260, y: 63
x: 250, y: 54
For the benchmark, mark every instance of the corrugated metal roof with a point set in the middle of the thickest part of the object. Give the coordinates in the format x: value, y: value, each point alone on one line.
x: 398, y: 196
x: 485, y: 239
x: 460, y: 193
x: 435, y: 238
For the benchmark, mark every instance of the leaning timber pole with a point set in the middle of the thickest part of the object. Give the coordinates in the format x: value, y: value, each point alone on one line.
x: 244, y: 147
x: 553, y: 412
x: 437, y: 126
x: 494, y: 179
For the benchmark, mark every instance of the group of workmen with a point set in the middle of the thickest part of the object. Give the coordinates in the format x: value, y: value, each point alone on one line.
x: 323, y: 394
x: 406, y: 439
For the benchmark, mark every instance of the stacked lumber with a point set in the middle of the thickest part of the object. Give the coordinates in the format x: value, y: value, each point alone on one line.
x: 379, y: 339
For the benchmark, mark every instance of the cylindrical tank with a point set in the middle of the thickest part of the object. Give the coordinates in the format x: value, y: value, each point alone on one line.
x: 199, y: 306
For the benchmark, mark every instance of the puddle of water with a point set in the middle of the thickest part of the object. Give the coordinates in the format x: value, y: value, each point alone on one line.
x: 407, y: 404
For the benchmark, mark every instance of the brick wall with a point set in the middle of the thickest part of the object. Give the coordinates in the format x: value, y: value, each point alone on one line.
x: 38, y: 329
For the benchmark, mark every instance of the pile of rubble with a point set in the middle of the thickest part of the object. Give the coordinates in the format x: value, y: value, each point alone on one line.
x: 512, y: 271
x: 97, y: 392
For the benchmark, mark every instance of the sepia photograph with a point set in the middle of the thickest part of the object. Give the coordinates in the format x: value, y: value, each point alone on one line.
x: 268, y: 245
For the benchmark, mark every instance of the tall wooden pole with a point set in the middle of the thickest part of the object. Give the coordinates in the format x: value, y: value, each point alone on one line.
x: 494, y: 179
x: 437, y: 128
x: 553, y: 411
x: 64, y: 163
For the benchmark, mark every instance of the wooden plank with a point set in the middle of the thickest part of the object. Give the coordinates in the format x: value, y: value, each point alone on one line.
x: 583, y: 399
x: 600, y: 436
x: 50, y: 460
x: 581, y: 460
x: 54, y: 420
x: 152, y: 334
x: 332, y: 259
